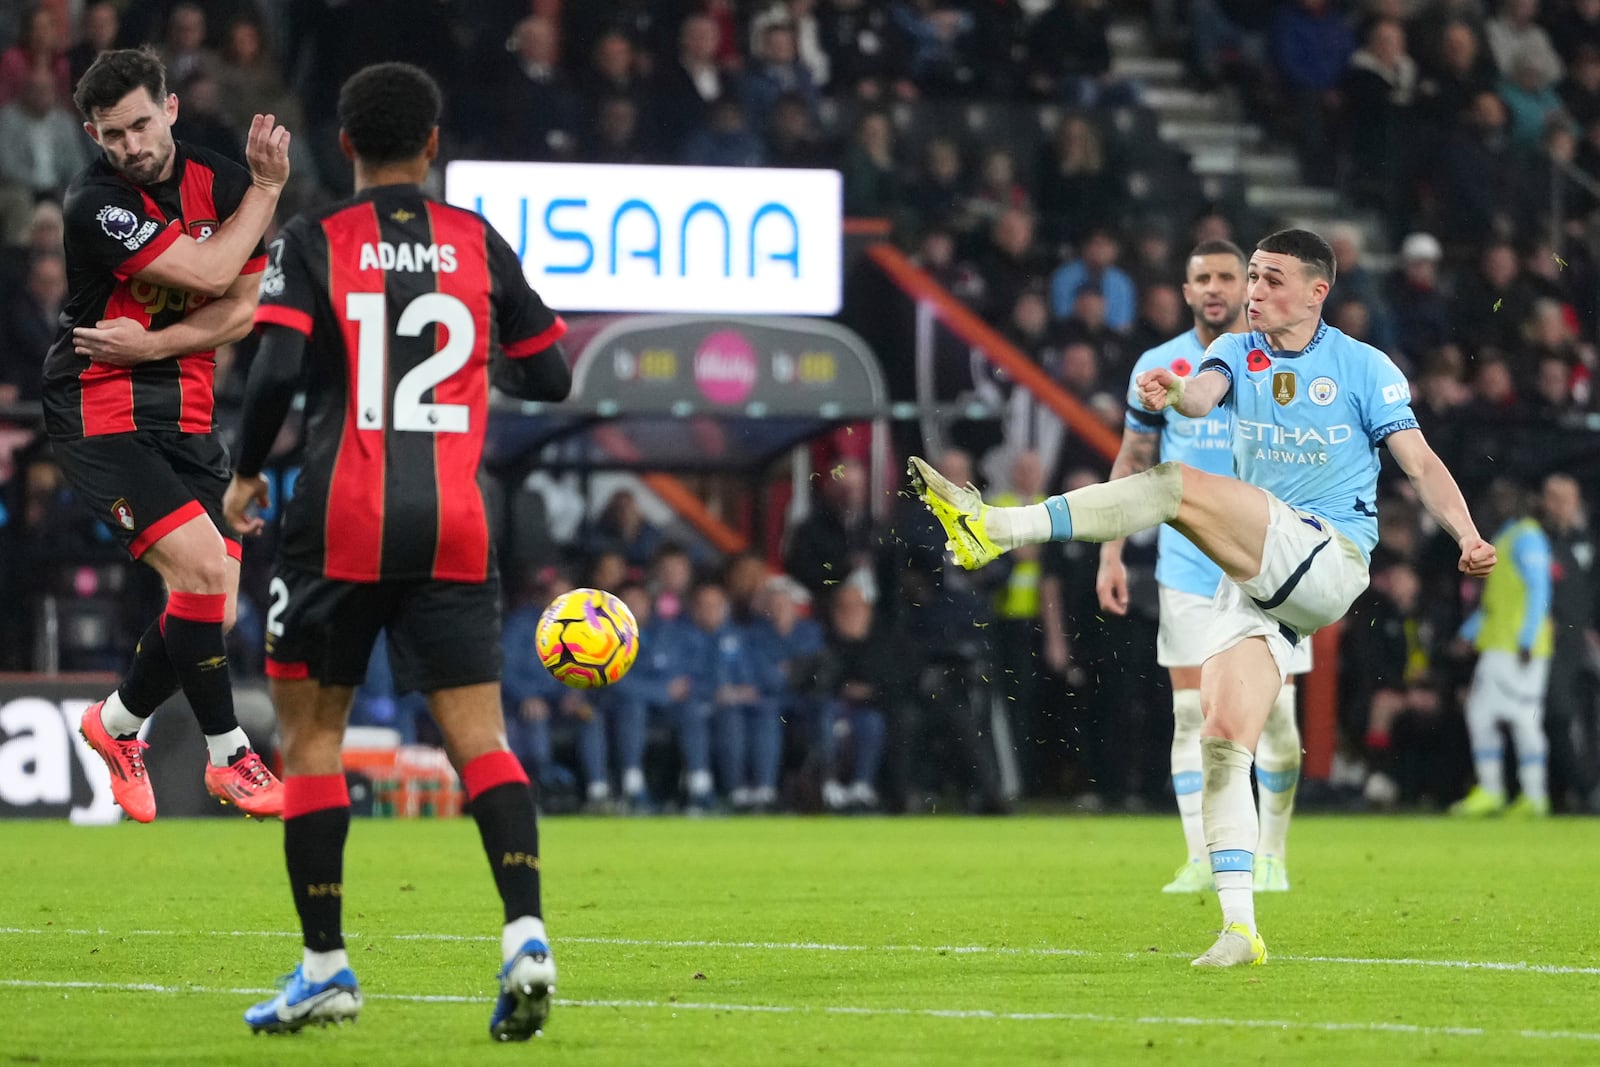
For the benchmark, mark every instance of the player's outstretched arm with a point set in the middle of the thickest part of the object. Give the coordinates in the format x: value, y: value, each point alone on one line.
x: 268, y: 393
x: 1192, y: 398
x: 1138, y: 453
x: 125, y: 343
x: 1442, y: 497
x: 212, y: 265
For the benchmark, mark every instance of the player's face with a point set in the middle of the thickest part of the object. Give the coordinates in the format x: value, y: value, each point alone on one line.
x: 1282, y: 292
x: 1214, y: 290
x: 136, y: 135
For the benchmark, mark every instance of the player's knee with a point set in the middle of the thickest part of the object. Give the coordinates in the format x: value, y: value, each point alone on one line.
x: 202, y: 572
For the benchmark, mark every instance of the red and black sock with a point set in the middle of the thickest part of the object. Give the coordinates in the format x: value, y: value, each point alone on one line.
x: 316, y: 821
x: 502, y: 804
x: 199, y: 657
x: 151, y: 679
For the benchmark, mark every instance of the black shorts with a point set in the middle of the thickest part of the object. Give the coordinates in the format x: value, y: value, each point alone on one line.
x: 147, y: 483
x: 442, y: 635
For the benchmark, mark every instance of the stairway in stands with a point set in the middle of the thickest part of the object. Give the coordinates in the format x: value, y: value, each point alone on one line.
x: 1229, y: 153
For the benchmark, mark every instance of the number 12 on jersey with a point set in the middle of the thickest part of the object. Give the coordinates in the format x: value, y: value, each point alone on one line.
x: 411, y: 413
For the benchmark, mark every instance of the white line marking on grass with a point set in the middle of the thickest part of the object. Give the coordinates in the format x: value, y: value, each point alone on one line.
x: 840, y: 1009
x: 1521, y: 967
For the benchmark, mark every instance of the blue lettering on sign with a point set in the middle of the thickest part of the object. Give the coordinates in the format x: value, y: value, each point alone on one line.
x: 791, y: 257
x: 772, y: 237
x: 683, y: 237
x: 653, y: 253
x: 565, y: 236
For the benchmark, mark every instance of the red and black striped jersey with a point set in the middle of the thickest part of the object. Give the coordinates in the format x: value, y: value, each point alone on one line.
x: 403, y: 300
x: 114, y: 229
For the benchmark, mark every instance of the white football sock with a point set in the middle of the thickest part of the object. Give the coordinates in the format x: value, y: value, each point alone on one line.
x: 632, y: 782
x: 221, y: 747
x: 1528, y: 732
x: 519, y: 932
x: 1277, y: 774
x: 1187, y: 718
x: 117, y: 719
x: 1013, y: 527
x: 700, y: 783
x: 599, y: 790
x: 1229, y: 812
x: 321, y: 966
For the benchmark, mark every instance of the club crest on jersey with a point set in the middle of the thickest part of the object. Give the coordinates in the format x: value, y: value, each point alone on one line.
x: 1181, y: 367
x: 1257, y: 360
x: 1322, y: 391
x: 123, y: 513
x: 202, y: 229
x: 1283, y: 387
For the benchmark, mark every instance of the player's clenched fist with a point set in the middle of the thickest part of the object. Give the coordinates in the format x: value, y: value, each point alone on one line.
x: 1156, y: 388
x: 267, y: 152
x: 1477, y: 557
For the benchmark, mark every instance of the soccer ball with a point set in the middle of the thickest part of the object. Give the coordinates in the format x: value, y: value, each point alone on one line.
x: 587, y: 638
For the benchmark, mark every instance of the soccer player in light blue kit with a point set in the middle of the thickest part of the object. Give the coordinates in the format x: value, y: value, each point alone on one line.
x: 1293, y: 532
x: 1214, y: 289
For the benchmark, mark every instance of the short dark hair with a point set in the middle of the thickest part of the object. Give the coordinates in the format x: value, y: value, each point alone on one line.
x: 117, y: 73
x: 1219, y: 248
x: 388, y: 110
x: 1307, y: 247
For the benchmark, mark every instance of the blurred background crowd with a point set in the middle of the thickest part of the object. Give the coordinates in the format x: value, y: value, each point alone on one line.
x: 1049, y: 163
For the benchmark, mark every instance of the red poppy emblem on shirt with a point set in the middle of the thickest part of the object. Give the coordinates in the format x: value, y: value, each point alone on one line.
x: 1257, y: 360
x: 1181, y: 367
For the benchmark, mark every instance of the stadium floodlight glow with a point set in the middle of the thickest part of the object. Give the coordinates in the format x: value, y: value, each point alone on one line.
x: 601, y: 237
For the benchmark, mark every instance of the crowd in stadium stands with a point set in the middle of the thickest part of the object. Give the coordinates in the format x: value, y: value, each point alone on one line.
x: 1464, y: 136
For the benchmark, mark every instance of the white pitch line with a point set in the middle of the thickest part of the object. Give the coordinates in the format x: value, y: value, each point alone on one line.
x: 1518, y: 967
x: 842, y: 1009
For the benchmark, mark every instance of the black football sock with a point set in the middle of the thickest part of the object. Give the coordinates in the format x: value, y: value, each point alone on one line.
x: 502, y: 804
x: 316, y: 821
x: 151, y: 679
x: 200, y: 658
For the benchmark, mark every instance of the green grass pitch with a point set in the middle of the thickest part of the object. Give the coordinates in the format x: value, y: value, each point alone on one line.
x: 817, y: 941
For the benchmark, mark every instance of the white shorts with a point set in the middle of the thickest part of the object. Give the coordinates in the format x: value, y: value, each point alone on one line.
x: 1310, y: 575
x: 1187, y: 624
x: 1503, y: 688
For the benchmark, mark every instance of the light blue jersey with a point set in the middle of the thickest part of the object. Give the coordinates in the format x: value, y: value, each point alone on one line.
x: 1201, y: 443
x: 1307, y: 424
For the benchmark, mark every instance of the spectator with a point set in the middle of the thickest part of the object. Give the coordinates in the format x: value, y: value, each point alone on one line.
x: 1481, y: 194
x: 1087, y: 325
x: 1010, y: 264
x: 995, y: 191
x: 1459, y: 71
x: 1358, y: 284
x: 1153, y: 263
x: 835, y: 543
x: 1580, y: 90
x: 1029, y: 327
x: 1380, y: 91
x: 1569, y: 716
x: 865, y: 57
x: 1079, y: 185
x: 614, y: 137
x: 939, y: 191
x: 42, y: 47
x: 659, y: 683
x: 792, y: 136
x: 1494, y: 393
x: 608, y: 570
x: 725, y: 141
x: 1531, y: 101
x: 744, y: 577
x: 936, y: 34
x: 200, y: 120
x: 1421, y: 307
x: 622, y: 527
x: 1311, y: 46
x: 686, y: 88
x: 28, y: 326
x: 183, y: 50
x: 802, y: 15
x: 1096, y: 268
x: 1493, y: 303
x: 1515, y: 37
x: 1069, y: 56
x: 856, y: 683
x: 42, y: 147
x: 671, y: 575
x: 1575, y: 29
x: 613, y: 72
x: 872, y: 187
x: 540, y: 112
x: 250, y: 81
x: 787, y: 646
x: 727, y: 688
x: 1162, y: 316
x: 98, y: 33
x: 775, y: 70
x: 1552, y: 388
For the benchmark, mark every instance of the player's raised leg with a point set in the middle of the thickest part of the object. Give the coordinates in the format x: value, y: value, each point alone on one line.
x: 470, y: 719
x: 316, y: 820
x: 1277, y: 776
x: 1237, y: 690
